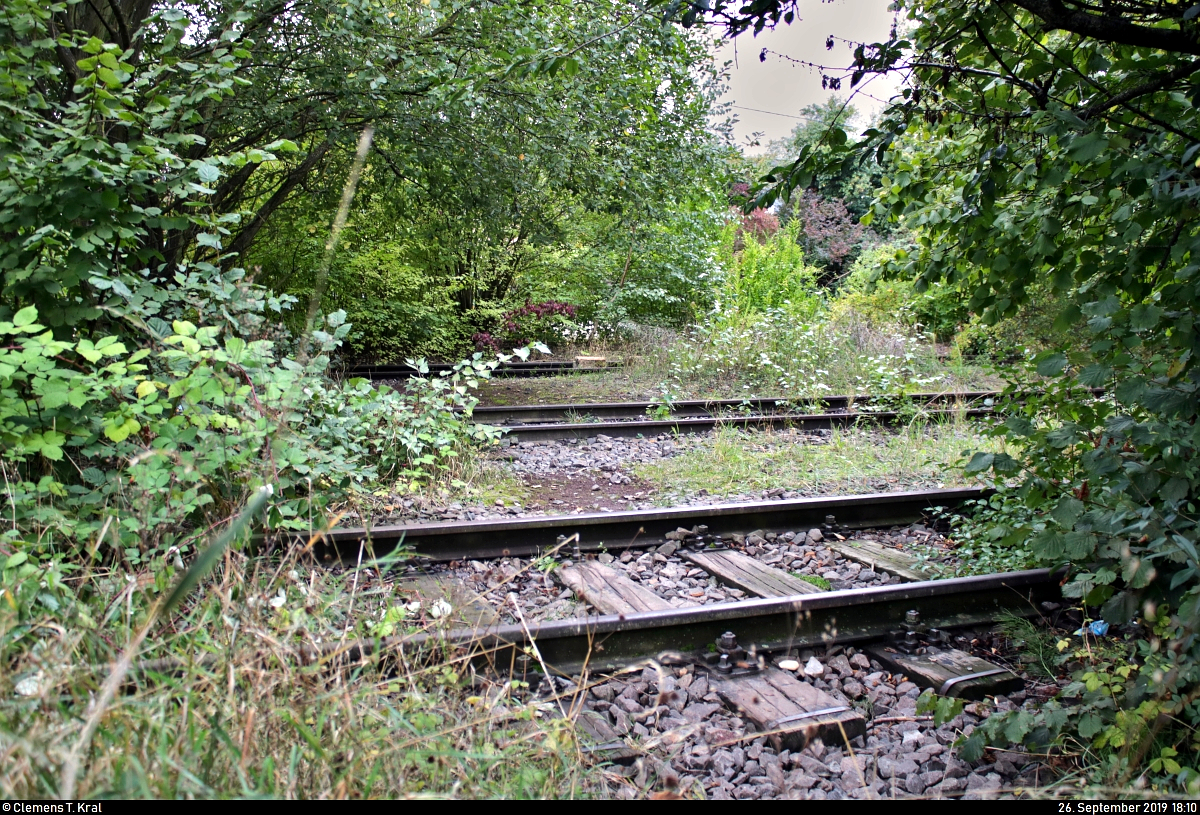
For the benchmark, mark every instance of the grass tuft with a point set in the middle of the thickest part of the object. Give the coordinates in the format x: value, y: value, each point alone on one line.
x: 818, y: 581
x: 853, y: 460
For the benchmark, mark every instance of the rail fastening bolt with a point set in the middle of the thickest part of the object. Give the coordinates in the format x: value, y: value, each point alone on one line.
x: 912, y: 617
x: 727, y: 642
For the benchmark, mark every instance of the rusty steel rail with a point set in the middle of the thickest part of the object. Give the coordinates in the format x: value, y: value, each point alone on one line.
x: 711, y: 408
x: 649, y: 428
x: 763, y: 625
x: 534, y: 536
x: 769, y: 625
x: 378, y: 373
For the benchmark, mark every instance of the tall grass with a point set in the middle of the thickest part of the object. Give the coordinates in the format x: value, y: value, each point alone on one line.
x: 260, y: 697
x: 854, y: 460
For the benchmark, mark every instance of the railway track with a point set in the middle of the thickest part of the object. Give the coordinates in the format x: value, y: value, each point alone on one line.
x: 653, y: 427
x: 700, y: 675
x: 769, y: 626
x: 516, y: 415
x: 610, y: 531
x: 633, y: 419
x: 382, y: 373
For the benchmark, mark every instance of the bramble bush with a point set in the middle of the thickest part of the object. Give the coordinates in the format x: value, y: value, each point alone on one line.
x: 132, y: 450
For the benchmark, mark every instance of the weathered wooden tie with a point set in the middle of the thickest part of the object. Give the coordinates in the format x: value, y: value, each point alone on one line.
x: 789, y: 712
x: 609, y: 590
x: 749, y: 574
x: 465, y: 606
x: 950, y: 672
x: 880, y: 558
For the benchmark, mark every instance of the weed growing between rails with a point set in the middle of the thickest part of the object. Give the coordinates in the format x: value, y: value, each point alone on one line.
x: 853, y: 460
x: 777, y: 353
x: 260, y: 694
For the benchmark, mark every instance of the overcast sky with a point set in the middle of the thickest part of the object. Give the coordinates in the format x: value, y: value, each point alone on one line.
x: 782, y: 87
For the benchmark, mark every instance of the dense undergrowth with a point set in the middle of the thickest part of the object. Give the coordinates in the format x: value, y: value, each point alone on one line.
x: 251, y: 689
x: 123, y: 457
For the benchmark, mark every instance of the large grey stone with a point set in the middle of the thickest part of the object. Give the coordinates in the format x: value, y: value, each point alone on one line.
x: 895, y: 768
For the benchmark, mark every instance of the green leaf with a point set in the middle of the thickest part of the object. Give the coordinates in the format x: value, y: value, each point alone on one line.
x: 1048, y: 547
x: 1087, y: 147
x: 26, y: 316
x: 1095, y: 375
x: 971, y: 749
x: 1079, y: 545
x: 122, y: 431
x: 1176, y: 489
x: 979, y: 463
x: 1144, y: 317
x: 1067, y: 511
x: 1019, y: 426
x: 1051, y: 363
x: 1018, y: 726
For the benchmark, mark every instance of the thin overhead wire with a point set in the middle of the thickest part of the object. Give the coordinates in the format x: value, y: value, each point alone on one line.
x: 773, y: 113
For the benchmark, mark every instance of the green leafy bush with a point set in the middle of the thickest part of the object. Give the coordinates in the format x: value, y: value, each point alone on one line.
x: 767, y: 275
x: 397, y: 309
x: 132, y: 452
x: 774, y: 351
x: 885, y: 302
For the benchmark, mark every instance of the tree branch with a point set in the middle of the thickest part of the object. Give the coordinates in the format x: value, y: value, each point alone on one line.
x: 1150, y: 86
x: 246, y: 236
x: 1111, y: 27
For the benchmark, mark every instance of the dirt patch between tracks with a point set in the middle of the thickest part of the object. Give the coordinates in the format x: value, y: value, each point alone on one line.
x: 610, y: 386
x: 565, y: 492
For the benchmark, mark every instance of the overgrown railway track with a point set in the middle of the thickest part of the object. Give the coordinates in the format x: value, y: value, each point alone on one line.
x: 693, y: 672
x: 634, y: 419
x: 383, y: 373
x: 516, y: 415
x: 768, y: 626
